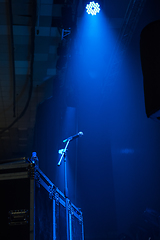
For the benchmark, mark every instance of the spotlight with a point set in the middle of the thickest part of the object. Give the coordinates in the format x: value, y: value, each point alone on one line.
x: 93, y: 8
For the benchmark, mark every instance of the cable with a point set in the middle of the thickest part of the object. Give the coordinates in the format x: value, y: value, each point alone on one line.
x: 31, y: 67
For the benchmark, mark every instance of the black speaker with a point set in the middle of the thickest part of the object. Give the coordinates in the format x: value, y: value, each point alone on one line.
x: 33, y: 208
x: 150, y: 62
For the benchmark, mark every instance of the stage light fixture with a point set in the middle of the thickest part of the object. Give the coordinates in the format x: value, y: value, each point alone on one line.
x: 93, y: 8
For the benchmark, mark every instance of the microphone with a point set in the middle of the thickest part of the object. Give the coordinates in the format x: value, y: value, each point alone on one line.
x: 80, y: 134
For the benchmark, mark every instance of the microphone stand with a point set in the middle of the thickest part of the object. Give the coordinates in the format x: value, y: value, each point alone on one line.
x: 64, y: 155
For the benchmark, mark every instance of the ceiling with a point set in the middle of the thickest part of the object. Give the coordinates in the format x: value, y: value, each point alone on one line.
x: 30, y: 33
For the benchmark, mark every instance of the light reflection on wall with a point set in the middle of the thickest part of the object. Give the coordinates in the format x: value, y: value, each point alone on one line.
x: 127, y: 151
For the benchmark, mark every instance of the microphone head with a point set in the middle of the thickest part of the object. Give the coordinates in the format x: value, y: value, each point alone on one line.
x: 80, y: 134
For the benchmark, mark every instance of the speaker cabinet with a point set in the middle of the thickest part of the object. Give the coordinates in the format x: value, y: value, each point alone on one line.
x: 150, y: 62
x: 33, y: 208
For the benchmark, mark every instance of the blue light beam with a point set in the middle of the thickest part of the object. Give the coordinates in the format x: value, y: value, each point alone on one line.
x: 93, y: 8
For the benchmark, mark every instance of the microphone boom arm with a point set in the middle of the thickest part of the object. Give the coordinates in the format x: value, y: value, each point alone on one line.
x: 73, y: 137
x: 64, y: 152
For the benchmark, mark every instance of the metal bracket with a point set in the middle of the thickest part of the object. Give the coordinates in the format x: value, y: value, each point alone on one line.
x: 51, y: 192
x: 65, y: 33
x: 37, y: 179
x: 56, y: 197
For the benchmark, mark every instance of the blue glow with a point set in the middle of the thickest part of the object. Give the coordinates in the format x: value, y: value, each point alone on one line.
x: 93, y: 8
x: 127, y: 151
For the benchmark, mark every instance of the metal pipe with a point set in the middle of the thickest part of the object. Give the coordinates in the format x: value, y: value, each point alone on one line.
x: 12, y: 55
